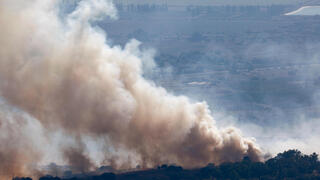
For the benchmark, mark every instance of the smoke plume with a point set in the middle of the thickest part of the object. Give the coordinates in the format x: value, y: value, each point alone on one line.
x: 58, y: 75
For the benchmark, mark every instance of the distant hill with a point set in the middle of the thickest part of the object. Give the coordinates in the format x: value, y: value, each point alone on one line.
x: 311, y: 2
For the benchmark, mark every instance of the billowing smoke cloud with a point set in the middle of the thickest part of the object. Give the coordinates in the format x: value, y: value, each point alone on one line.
x: 60, y: 75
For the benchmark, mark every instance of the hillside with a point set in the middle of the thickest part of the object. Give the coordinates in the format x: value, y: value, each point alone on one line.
x: 291, y: 164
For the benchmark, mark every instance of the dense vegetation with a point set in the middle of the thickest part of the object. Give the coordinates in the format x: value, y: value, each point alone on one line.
x: 291, y: 164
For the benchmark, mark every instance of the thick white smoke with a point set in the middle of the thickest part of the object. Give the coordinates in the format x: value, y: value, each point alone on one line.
x: 59, y: 76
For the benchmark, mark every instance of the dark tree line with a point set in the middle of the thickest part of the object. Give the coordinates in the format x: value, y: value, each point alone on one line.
x: 250, y: 10
x: 291, y: 164
x: 142, y: 7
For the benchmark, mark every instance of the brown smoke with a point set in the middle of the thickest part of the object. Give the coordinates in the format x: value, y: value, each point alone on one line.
x: 16, y: 145
x: 63, y: 74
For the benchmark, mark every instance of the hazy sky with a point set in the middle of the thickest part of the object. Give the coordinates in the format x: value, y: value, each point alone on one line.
x: 212, y: 2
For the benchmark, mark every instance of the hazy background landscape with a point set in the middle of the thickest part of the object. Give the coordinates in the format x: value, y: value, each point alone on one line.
x: 255, y: 66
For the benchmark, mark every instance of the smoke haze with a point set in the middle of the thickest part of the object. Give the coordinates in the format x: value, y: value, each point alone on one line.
x: 62, y: 84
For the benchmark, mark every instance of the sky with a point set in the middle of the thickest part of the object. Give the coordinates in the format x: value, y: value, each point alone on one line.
x: 212, y: 2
